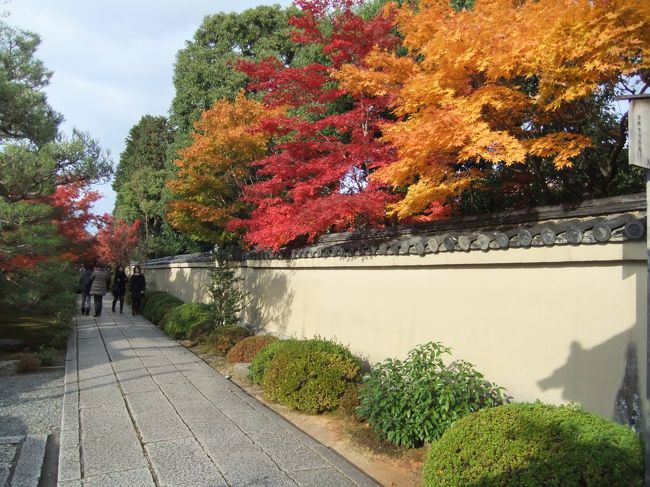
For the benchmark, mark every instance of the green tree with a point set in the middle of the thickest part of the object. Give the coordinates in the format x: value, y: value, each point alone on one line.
x: 204, y: 71
x: 146, y: 148
x: 224, y: 289
x: 40, y: 170
x: 25, y: 111
x: 140, y: 186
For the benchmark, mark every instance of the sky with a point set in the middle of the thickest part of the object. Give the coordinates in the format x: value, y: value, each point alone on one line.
x: 113, y: 61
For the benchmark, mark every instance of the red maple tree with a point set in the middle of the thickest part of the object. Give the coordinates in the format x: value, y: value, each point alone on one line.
x: 117, y: 240
x: 326, y: 141
x: 73, y: 204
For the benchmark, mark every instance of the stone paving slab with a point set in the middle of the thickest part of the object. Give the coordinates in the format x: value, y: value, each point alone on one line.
x: 183, y: 461
x: 140, y: 410
x: 108, y: 441
x: 157, y: 426
x: 140, y: 477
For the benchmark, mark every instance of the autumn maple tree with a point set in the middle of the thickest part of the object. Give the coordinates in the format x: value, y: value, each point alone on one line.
x: 315, y: 179
x: 213, y: 170
x: 117, y: 240
x: 502, y: 84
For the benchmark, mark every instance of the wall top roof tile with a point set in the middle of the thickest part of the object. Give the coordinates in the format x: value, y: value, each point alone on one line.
x: 614, y: 219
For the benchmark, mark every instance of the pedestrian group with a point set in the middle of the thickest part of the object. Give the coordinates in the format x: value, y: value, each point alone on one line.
x: 96, y: 282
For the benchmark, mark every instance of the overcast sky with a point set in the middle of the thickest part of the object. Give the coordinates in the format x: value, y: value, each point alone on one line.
x: 113, y: 60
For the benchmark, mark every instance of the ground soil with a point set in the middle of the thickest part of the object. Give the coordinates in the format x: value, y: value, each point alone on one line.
x: 388, y: 465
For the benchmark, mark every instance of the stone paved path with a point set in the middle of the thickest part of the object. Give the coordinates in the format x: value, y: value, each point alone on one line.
x: 140, y: 410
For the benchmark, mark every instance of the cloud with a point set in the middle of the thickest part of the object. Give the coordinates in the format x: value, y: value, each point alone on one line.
x: 113, y: 61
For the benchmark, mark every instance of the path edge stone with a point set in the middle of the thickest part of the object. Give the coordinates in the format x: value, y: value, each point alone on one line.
x: 69, y: 452
x: 30, y: 462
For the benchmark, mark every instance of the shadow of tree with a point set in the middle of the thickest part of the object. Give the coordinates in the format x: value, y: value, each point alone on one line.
x: 270, y: 300
x: 608, y: 373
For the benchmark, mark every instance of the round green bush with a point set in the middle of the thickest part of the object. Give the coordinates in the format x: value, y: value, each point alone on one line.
x: 246, y: 349
x: 223, y: 338
x: 412, y: 401
x: 151, y: 297
x: 258, y: 367
x: 535, y: 444
x: 178, y: 322
x: 156, y: 307
x: 262, y: 359
x: 151, y: 301
x: 310, y: 375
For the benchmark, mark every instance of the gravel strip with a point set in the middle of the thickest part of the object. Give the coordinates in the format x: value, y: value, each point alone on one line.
x: 31, y: 403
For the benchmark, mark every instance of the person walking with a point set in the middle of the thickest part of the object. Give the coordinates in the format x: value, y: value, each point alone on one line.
x: 100, y: 280
x: 137, y: 285
x: 119, y: 287
x: 84, y: 288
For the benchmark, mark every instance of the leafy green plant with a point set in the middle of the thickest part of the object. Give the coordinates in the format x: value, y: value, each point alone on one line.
x: 179, y: 322
x: 223, y: 338
x: 412, y: 401
x: 247, y: 348
x: 47, y: 355
x: 535, y: 444
x: 310, y: 375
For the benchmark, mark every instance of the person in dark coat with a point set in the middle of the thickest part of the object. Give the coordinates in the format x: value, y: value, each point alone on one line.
x: 84, y: 288
x: 119, y: 287
x: 100, y: 278
x: 137, y: 285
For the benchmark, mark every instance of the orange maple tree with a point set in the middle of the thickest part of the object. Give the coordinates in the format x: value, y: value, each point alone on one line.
x: 495, y: 86
x: 215, y: 167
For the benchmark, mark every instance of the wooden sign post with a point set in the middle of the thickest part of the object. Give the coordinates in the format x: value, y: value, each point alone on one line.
x: 639, y: 155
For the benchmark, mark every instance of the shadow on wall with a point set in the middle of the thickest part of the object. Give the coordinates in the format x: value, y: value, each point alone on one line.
x: 269, y: 300
x: 586, y: 377
x: 190, y: 284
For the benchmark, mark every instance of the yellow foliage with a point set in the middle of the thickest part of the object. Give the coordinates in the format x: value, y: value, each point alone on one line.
x: 485, y: 84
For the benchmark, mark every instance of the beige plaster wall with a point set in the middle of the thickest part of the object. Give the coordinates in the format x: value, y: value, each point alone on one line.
x: 563, y: 323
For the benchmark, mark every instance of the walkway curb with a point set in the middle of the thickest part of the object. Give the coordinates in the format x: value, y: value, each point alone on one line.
x: 69, y: 452
x: 30, y: 462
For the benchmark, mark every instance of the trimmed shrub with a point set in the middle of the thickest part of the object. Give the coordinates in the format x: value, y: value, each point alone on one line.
x: 28, y: 362
x: 157, y: 306
x: 178, y: 322
x: 535, y: 444
x: 150, y: 301
x: 349, y: 401
x: 412, y: 401
x: 263, y: 358
x: 310, y: 375
x: 246, y: 349
x: 223, y: 338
